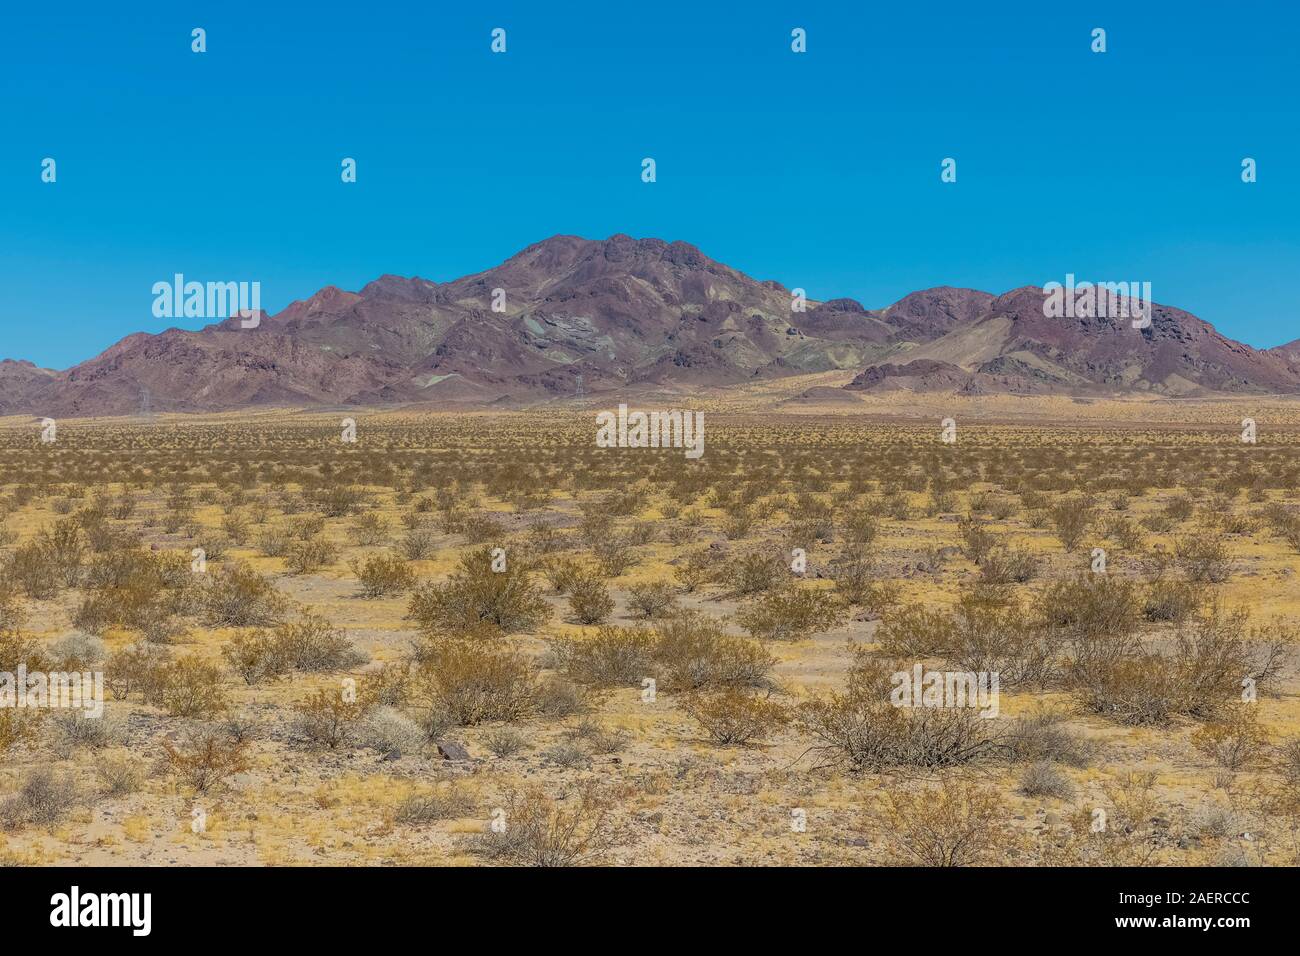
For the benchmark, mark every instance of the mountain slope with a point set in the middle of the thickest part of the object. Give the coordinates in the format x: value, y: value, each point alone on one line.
x: 1014, y: 345
x: 19, y: 380
x: 576, y: 316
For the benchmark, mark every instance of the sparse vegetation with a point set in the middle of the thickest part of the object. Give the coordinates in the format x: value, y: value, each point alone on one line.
x: 648, y: 624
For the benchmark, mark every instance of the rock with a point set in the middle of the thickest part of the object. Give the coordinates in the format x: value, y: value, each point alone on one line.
x: 392, y: 755
x: 1052, y: 818
x: 450, y: 750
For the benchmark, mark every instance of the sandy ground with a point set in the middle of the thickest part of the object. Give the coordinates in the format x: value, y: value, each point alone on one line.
x: 679, y: 798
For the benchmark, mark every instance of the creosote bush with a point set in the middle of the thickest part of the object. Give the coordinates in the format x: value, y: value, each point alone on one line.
x: 912, y: 630
x: 383, y: 574
x: 143, y: 590
x: 1234, y: 740
x: 653, y: 599
x: 1071, y: 518
x: 475, y: 681
x: 120, y: 774
x: 789, y: 614
x: 313, y: 644
x: 753, y: 573
x: 687, y: 651
x: 475, y: 595
x: 1204, y: 555
x: 189, y: 687
x: 957, y: 823
x: 306, y: 557
x: 42, y: 800
x: 204, y: 758
x: 589, y: 599
x: 328, y: 718
x: 1214, y: 657
x: 444, y: 802
x: 731, y: 715
x: 862, y: 728
x: 857, y: 583
x: 540, y: 831
x: 237, y: 596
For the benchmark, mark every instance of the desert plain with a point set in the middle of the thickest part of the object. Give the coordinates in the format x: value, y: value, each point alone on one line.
x: 475, y: 638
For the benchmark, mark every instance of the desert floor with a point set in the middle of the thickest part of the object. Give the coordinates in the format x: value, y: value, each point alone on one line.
x: 1168, y: 489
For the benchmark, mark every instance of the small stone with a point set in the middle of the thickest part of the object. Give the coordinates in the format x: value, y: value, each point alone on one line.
x: 450, y: 750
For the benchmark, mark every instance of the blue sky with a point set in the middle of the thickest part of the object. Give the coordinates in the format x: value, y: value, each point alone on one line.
x: 820, y: 170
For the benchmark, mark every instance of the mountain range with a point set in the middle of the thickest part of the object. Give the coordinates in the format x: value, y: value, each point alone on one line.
x: 580, y: 317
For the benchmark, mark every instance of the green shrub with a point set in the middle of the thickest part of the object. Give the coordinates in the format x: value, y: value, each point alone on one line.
x: 589, y: 599
x: 688, y: 651
x: 42, y: 800
x: 474, y: 682
x: 476, y: 595
x: 914, y: 631
x: 735, y: 716
x: 1071, y: 518
x: 539, y: 831
x: 310, y: 644
x: 328, y: 718
x: 190, y: 687
x: 653, y: 599
x: 693, y: 651
x: 863, y: 729
x: 205, y: 758
x: 308, y: 556
x: 381, y: 574
x: 237, y: 596
x: 789, y: 614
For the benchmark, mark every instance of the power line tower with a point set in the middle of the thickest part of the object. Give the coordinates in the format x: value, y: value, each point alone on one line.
x: 146, y: 404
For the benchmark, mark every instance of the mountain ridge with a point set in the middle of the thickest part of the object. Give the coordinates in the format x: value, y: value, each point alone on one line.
x: 575, y: 316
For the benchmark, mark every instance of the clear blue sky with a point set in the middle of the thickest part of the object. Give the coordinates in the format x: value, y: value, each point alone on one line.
x: 819, y: 170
